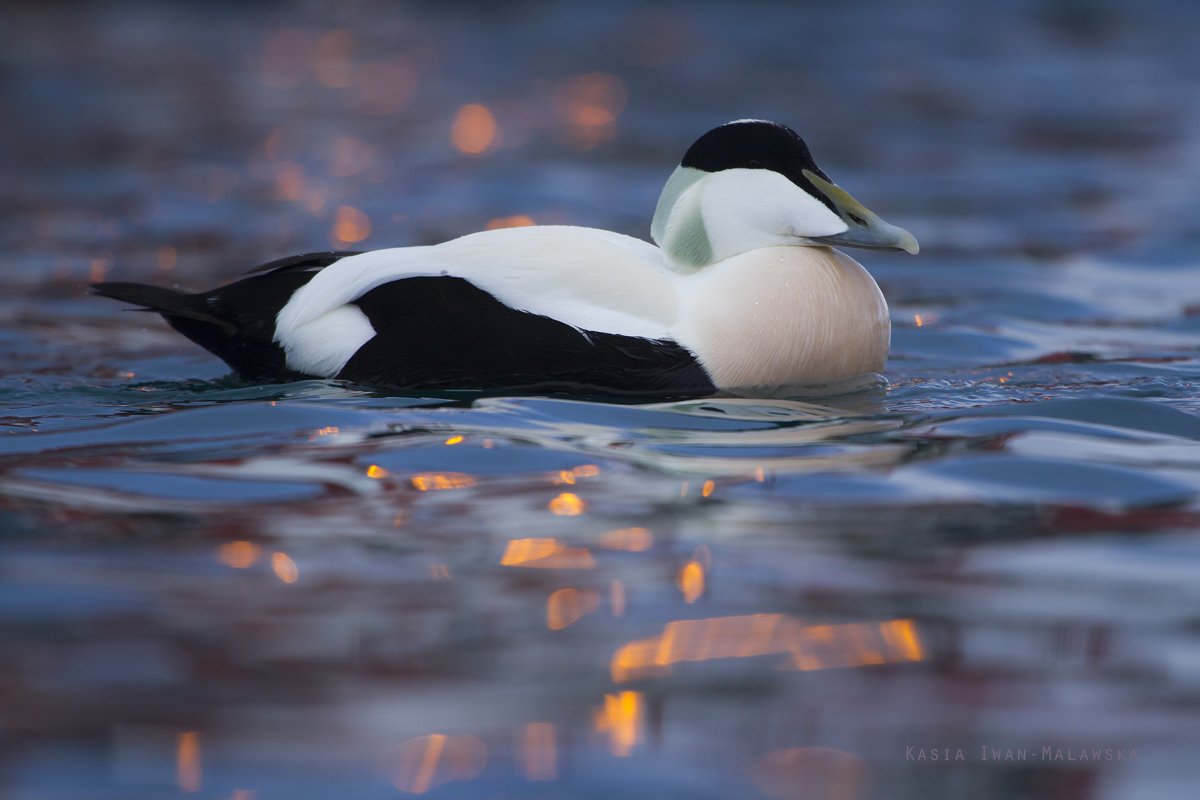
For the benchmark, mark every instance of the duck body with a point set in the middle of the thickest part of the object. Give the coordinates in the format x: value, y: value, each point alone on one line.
x: 728, y: 302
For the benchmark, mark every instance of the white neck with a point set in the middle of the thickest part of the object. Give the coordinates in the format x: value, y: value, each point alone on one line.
x: 706, y: 217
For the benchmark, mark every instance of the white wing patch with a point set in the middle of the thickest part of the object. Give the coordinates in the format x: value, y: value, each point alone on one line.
x: 324, y: 345
x: 590, y: 279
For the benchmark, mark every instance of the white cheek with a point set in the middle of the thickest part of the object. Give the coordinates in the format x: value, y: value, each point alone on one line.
x: 745, y: 209
x: 811, y: 217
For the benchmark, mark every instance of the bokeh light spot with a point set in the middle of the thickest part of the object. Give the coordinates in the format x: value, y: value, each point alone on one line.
x: 621, y: 718
x: 284, y: 567
x: 239, y: 555
x: 519, y: 221
x: 290, y: 183
x: 546, y: 554
x: 568, y: 606
x: 474, y: 131
x: 590, y: 105
x: 350, y: 225
x: 436, y: 481
x: 335, y: 64
x: 187, y: 762
x: 690, y: 581
x: 166, y: 257
x: 594, y: 99
x: 567, y: 505
x: 616, y: 597
x: 632, y: 539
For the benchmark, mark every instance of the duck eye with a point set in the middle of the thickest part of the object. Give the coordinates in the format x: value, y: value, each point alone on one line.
x: 755, y: 163
x: 859, y: 220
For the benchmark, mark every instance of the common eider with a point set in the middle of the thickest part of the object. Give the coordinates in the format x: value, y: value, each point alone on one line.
x: 744, y: 292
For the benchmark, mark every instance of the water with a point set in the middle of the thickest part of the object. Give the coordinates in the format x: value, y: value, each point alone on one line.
x: 318, y: 590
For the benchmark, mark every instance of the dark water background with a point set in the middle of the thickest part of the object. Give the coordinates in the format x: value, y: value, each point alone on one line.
x: 300, y: 591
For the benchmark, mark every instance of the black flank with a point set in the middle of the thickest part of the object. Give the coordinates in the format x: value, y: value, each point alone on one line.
x: 235, y: 322
x: 443, y: 333
x: 757, y: 145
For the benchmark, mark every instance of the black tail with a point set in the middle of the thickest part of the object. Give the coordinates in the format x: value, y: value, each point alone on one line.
x: 236, y: 322
x: 168, y: 302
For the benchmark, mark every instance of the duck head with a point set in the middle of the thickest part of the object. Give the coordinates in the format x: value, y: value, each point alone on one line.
x: 751, y: 184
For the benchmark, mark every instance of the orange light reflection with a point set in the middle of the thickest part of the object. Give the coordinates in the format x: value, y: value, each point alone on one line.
x: 811, y: 647
x: 568, y: 606
x: 429, y: 761
x: 590, y: 105
x: 350, y: 225
x: 690, y: 581
x: 100, y: 267
x: 187, y: 762
x: 284, y: 567
x: 567, y: 505
x: 633, y: 539
x: 238, y: 555
x: 474, y: 130
x: 166, y: 257
x: 546, y: 554
x: 289, y: 185
x: 435, y: 481
x: 621, y: 718
x: 616, y: 597
x: 519, y: 221
x: 418, y: 763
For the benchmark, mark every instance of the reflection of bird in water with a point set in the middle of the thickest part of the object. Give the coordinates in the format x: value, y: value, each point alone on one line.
x: 743, y: 291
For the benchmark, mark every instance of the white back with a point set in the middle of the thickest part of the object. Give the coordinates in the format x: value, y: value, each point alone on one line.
x: 590, y: 279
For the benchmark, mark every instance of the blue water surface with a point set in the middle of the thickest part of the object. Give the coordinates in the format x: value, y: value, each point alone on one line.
x: 216, y: 589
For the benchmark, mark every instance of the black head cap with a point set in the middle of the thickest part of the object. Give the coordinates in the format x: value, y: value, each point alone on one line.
x: 756, y: 144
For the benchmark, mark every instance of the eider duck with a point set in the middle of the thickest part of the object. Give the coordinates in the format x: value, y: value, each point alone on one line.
x: 744, y: 292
